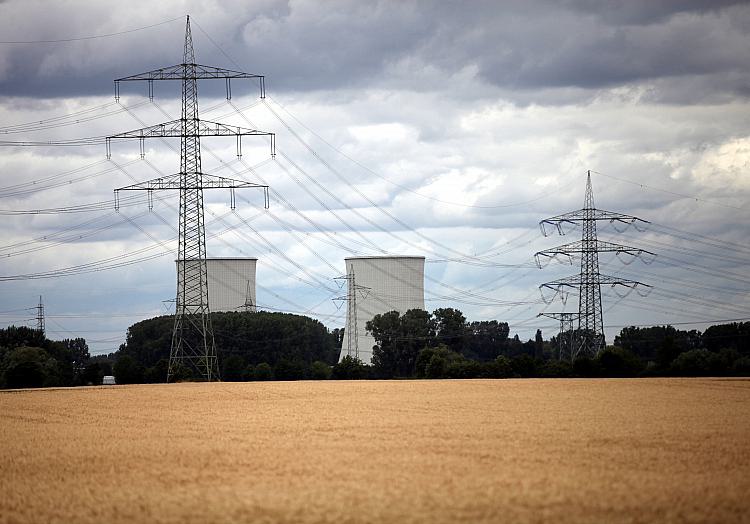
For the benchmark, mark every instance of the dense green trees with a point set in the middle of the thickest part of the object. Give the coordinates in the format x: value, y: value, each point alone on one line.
x: 442, y: 344
x: 619, y: 362
x: 320, y: 370
x: 127, y: 370
x: 399, y: 339
x: 450, y: 328
x: 288, y: 344
x: 262, y: 371
x: 30, y: 367
x: 432, y: 362
x: 457, y: 348
x: 487, y: 340
x: 29, y: 359
x: 657, y: 343
x: 664, y: 350
x: 728, y: 336
x: 350, y: 368
x: 233, y: 368
x: 696, y: 362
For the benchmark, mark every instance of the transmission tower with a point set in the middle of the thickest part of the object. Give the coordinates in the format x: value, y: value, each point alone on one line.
x: 248, y: 306
x: 590, y: 334
x: 192, y: 338
x: 352, y: 335
x: 566, y: 337
x: 40, y: 317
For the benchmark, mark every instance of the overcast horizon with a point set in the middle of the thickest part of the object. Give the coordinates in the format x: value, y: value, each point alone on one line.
x: 437, y: 129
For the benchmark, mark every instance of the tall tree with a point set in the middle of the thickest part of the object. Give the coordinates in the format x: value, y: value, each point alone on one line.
x: 538, y: 345
x: 29, y: 367
x: 385, y: 329
x: 487, y: 339
x: 399, y: 338
x: 450, y: 328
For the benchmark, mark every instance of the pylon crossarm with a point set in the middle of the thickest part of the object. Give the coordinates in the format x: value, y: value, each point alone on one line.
x: 177, y: 72
x: 174, y: 129
x: 207, y: 182
x: 557, y: 290
x: 542, y: 258
x: 559, y: 316
x: 604, y: 280
x: 581, y: 215
x: 556, y: 223
x: 579, y: 246
x: 600, y: 214
x: 190, y: 72
x: 557, y: 285
x: 607, y: 280
x: 175, y: 182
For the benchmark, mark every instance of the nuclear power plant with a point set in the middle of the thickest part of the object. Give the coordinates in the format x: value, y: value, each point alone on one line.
x: 231, y: 283
x: 376, y: 285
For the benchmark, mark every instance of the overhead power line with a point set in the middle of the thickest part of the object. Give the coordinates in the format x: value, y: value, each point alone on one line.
x: 674, y: 193
x: 90, y: 37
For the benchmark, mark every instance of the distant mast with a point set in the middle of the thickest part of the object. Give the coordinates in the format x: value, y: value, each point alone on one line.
x: 40, y: 316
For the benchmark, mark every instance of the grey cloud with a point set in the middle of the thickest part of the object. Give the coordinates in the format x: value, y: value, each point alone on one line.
x: 528, y: 51
x: 646, y: 12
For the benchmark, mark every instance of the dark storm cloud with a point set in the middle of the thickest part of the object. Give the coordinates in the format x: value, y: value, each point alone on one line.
x: 538, y: 47
x: 516, y: 47
x: 645, y: 12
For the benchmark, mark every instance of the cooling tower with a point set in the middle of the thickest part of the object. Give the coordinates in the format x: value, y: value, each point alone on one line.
x: 231, y: 284
x: 381, y: 284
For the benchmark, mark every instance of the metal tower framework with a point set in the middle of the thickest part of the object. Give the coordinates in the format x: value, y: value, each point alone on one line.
x: 248, y: 306
x: 590, y: 333
x: 193, y: 345
x: 352, y: 335
x: 566, y: 337
x: 40, y: 316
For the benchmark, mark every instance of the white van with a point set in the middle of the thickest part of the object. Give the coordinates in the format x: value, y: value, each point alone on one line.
x: 108, y: 380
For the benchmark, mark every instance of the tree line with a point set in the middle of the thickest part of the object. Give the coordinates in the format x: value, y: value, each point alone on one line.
x: 443, y: 344
x: 28, y: 359
x: 249, y: 345
x: 415, y: 344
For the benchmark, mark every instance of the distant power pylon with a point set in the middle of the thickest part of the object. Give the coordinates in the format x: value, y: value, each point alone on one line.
x: 248, y: 306
x: 590, y: 334
x: 566, y: 337
x: 352, y: 336
x: 192, y: 339
x: 40, y: 317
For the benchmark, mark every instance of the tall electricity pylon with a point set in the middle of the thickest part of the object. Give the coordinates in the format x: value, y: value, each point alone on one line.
x: 40, y: 317
x: 192, y: 338
x: 590, y: 334
x: 566, y: 337
x: 352, y: 335
x: 248, y: 306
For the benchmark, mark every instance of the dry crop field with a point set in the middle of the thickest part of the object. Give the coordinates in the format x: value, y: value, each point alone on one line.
x: 642, y: 450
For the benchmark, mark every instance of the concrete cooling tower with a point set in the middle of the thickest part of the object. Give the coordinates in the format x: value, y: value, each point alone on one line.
x: 395, y: 283
x: 231, y: 284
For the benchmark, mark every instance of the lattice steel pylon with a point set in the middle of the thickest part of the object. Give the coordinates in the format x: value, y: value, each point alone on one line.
x: 40, y: 316
x: 193, y: 344
x: 352, y: 335
x: 566, y: 337
x: 590, y: 333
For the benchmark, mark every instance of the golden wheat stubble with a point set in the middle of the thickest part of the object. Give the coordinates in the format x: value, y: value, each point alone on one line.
x: 379, y: 451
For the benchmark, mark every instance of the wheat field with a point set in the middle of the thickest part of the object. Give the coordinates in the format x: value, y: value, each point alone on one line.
x: 641, y: 450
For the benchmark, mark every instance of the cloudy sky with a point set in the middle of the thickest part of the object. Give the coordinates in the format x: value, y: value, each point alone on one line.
x: 442, y: 129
